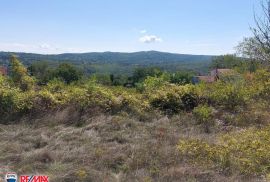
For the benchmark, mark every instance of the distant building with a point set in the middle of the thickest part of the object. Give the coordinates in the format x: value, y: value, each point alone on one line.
x: 214, y: 76
x: 206, y: 79
x: 219, y: 72
x: 3, y: 70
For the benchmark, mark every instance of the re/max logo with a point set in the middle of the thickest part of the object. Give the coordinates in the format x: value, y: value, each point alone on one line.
x: 34, y: 179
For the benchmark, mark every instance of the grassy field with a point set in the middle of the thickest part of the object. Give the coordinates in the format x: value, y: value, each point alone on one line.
x: 159, y: 131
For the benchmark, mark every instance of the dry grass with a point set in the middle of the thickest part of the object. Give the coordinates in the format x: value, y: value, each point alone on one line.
x: 103, y: 148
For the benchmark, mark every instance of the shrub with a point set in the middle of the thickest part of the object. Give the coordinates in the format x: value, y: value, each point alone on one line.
x: 202, y: 153
x: 173, y: 99
x: 130, y: 100
x: 181, y: 78
x: 205, y: 116
x: 20, y: 76
x: 189, y: 100
x: 261, y: 84
x: 229, y: 95
x: 152, y: 83
x: 169, y: 103
x: 246, y: 152
x: 13, y: 100
x: 68, y: 73
x: 141, y: 73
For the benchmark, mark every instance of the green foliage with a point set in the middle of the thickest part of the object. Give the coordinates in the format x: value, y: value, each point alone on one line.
x: 241, y: 64
x: 227, y: 61
x: 103, y: 79
x: 41, y: 71
x: 19, y: 75
x: 141, y: 73
x: 181, y: 78
x: 68, y: 73
x: 246, y: 151
x: 261, y: 84
x: 118, y: 63
x: 12, y: 99
x: 229, y: 95
x: 205, y: 116
x: 152, y: 83
x: 118, y: 80
x: 156, y: 92
x: 173, y: 99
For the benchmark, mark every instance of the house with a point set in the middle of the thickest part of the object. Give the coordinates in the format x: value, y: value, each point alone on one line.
x: 214, y: 76
x: 206, y: 79
x: 3, y: 70
x: 219, y: 72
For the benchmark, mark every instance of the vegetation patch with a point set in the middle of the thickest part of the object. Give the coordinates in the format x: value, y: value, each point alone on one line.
x: 246, y: 151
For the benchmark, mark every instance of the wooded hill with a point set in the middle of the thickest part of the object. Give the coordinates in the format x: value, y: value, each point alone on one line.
x: 116, y: 62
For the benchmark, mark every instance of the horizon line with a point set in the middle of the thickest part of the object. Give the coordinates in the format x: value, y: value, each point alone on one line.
x: 132, y: 52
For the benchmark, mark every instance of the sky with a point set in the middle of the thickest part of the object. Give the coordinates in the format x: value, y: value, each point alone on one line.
x: 209, y: 27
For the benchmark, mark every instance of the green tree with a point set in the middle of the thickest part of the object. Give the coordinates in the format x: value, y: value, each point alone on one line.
x: 181, y: 78
x: 140, y: 74
x: 41, y: 71
x: 257, y: 48
x: 20, y: 75
x: 68, y: 73
x: 251, y: 50
x: 227, y: 61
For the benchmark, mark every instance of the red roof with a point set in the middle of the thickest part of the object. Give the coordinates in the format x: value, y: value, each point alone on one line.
x: 3, y: 70
x: 207, y: 79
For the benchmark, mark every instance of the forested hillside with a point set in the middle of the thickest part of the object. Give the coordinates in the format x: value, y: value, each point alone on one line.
x: 121, y: 63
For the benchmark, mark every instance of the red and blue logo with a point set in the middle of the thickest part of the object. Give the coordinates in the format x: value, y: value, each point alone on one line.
x: 11, y: 177
x: 34, y: 178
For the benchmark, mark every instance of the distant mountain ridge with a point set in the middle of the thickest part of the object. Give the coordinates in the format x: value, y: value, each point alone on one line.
x: 119, y: 60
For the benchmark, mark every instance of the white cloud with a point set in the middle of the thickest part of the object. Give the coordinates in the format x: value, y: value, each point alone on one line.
x: 143, y: 31
x: 46, y: 46
x: 150, y: 39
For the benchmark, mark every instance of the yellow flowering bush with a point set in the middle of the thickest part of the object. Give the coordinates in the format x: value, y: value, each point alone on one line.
x: 247, y: 151
x: 173, y: 98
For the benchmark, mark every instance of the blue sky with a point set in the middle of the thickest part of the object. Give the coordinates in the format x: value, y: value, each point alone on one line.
x: 181, y: 26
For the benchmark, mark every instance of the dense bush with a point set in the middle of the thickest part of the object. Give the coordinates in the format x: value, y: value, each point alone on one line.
x: 228, y: 61
x: 41, y: 71
x: 261, y: 84
x: 151, y: 84
x: 13, y: 100
x: 67, y: 72
x: 173, y: 99
x: 181, y: 78
x: 20, y: 75
x: 141, y: 73
x: 229, y: 95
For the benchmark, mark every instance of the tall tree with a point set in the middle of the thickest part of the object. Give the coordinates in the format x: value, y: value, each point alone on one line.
x: 41, y: 71
x: 261, y: 41
x: 20, y: 75
x: 226, y: 61
x: 68, y: 73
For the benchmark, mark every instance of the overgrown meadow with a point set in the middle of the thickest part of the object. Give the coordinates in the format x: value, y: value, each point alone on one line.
x: 143, y: 132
